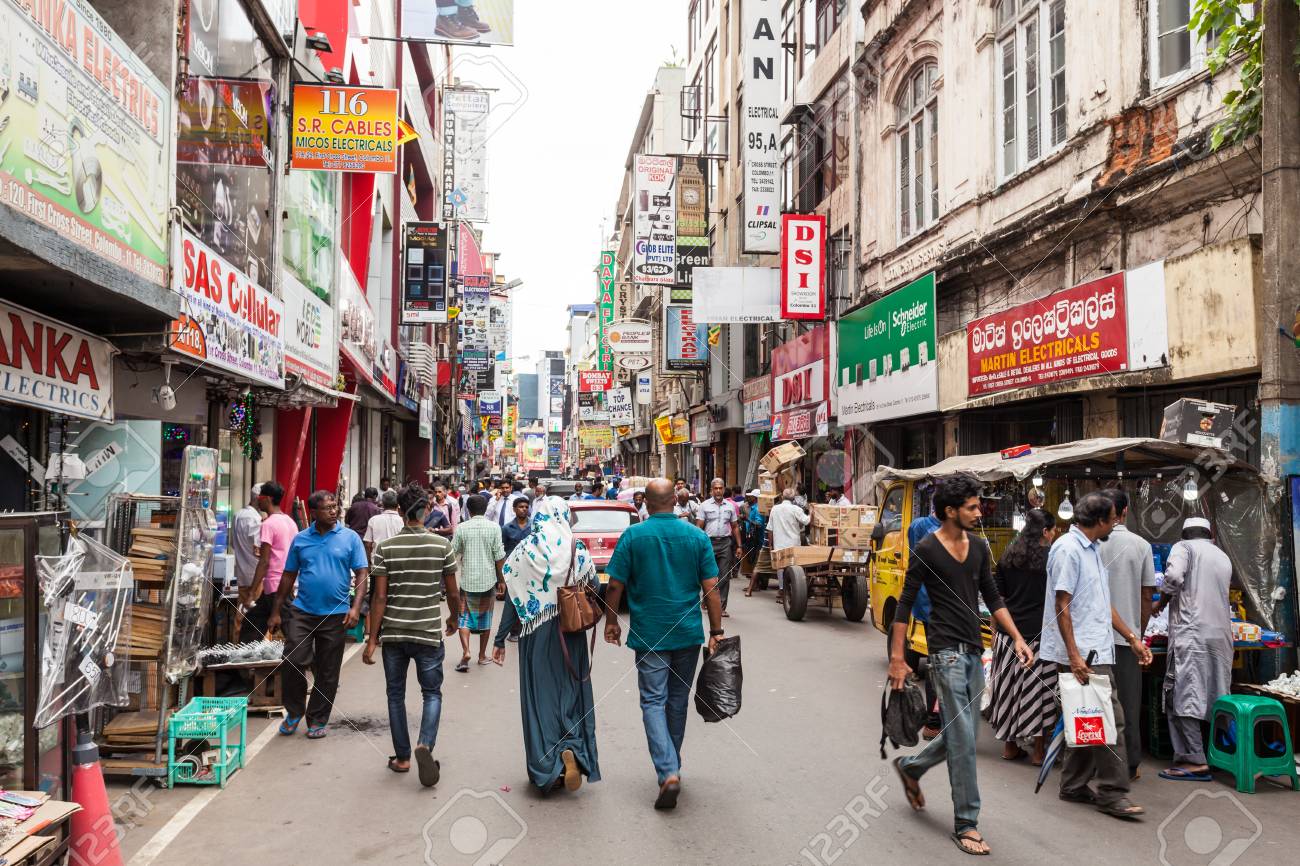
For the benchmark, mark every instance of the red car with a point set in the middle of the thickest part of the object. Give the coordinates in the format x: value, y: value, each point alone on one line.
x: 598, y: 523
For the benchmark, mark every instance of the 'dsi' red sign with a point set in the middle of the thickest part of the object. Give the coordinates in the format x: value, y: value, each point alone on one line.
x: 1079, y: 332
x: 803, y: 266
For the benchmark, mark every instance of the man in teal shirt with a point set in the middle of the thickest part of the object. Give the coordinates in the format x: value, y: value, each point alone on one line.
x: 664, y: 564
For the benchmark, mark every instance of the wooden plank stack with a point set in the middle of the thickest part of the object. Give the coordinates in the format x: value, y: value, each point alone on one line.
x: 131, y: 730
x: 152, y: 554
x: 148, y: 631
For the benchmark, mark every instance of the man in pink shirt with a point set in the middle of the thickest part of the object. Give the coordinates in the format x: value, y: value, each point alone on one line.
x: 278, y: 531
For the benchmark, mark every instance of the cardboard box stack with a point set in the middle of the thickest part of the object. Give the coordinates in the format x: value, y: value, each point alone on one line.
x: 847, y: 526
x: 781, y: 457
x: 806, y: 555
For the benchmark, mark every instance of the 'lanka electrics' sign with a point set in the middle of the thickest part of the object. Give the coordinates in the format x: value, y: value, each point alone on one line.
x: 46, y: 364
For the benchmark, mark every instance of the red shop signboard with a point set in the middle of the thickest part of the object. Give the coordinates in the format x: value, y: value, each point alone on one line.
x: 1075, y: 333
x: 801, y: 386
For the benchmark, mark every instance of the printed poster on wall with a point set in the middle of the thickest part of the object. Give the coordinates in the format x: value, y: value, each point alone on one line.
x: 654, y: 217
x: 801, y: 386
x: 887, y: 367
x: 226, y: 320
x: 760, y: 127
x: 692, y: 248
x: 1079, y: 332
x: 424, y: 293
x: 469, y: 110
x: 87, y: 130
x: 52, y: 366
x: 756, y: 402
x: 496, y: 19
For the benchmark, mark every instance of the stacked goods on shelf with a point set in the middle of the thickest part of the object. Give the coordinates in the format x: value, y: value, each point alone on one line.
x: 128, y: 731
x: 152, y: 554
x: 148, y: 630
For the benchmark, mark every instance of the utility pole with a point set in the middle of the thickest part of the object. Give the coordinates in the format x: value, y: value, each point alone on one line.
x: 1279, y: 381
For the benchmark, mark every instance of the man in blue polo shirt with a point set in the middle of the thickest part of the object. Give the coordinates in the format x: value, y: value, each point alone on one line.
x: 320, y: 562
x: 664, y: 564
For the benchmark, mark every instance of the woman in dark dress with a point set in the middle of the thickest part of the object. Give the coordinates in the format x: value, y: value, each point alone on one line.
x: 558, y: 711
x: 1023, y: 705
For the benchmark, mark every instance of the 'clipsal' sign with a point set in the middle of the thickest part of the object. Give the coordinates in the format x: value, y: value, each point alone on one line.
x: 229, y: 321
x: 803, y: 267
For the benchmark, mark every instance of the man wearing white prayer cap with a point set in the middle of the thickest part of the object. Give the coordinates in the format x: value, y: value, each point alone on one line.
x: 1197, y: 577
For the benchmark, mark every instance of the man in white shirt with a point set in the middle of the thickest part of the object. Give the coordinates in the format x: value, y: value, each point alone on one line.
x: 686, y: 508
x: 835, y: 496
x: 244, y: 532
x: 787, y: 522
x: 718, y: 518
x: 385, y: 524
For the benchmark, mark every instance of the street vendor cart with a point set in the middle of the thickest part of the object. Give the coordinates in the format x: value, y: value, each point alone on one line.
x: 832, y: 569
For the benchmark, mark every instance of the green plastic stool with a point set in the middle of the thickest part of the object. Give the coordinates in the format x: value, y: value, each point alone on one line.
x: 358, y: 631
x: 1264, y: 750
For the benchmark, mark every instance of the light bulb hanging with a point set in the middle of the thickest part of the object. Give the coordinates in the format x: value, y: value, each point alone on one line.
x: 1066, y: 511
x: 1191, y: 492
x: 1018, y: 521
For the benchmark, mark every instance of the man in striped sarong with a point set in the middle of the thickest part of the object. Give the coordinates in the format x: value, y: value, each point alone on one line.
x: 412, y: 572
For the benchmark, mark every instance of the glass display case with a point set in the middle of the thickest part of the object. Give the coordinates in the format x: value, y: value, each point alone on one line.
x: 29, y: 759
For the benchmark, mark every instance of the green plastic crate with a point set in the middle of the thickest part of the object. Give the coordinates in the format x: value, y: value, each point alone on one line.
x: 216, y: 720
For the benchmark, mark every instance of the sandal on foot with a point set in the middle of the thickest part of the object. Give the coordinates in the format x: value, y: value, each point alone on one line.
x: 1018, y: 755
x: 485, y: 661
x: 1182, y: 774
x: 1123, y: 809
x: 316, y: 732
x: 430, y: 770
x: 572, y: 775
x: 911, y: 787
x: 668, y: 793
x: 395, y: 767
x: 463, y: 667
x: 289, y: 727
x: 968, y: 841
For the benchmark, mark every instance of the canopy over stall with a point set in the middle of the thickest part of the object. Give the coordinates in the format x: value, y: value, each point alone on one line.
x: 1160, y: 478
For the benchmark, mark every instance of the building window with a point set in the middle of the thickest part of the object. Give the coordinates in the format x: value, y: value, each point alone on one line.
x: 829, y: 15
x: 917, y: 134
x: 694, y: 27
x: 787, y: 172
x: 691, y: 117
x: 710, y: 68
x: 1031, y: 116
x: 809, y: 31
x: 1176, y: 52
x: 789, y: 37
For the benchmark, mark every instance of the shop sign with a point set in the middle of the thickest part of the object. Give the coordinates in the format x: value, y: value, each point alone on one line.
x: 595, y: 437
x: 803, y: 266
x: 534, y: 451
x: 511, y: 421
x: 420, y: 22
x: 800, y: 385
x: 692, y: 248
x: 1068, y: 335
x: 468, y: 110
x: 227, y: 320
x: 473, y: 323
x: 630, y: 338
x: 673, y: 430
x: 358, y: 335
x: 426, y: 418
x: 736, y: 296
x: 605, y: 309
x: 310, y: 349
x: 591, y: 407
x: 887, y: 366
x: 644, y: 389
x: 51, y: 366
x: 310, y: 238
x: 337, y: 128
x: 685, y: 342
x: 654, y: 246
x: 619, y: 403
x: 489, y: 403
x: 87, y: 129
x: 408, y: 387
x: 760, y: 127
x: 424, y: 284
x: 500, y: 318
x: 590, y: 381
x: 756, y: 397
x: 632, y: 362
x: 701, y: 430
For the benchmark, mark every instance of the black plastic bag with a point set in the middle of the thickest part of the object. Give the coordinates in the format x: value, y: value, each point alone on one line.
x: 902, y: 714
x: 717, y: 688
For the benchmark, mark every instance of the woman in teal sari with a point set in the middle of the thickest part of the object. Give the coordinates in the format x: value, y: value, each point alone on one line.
x: 559, y: 718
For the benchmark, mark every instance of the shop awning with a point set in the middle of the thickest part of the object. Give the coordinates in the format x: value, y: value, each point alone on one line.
x: 1138, y: 455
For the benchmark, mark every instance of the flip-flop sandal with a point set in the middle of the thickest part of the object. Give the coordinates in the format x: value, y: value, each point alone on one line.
x: 970, y: 836
x: 392, y: 765
x: 430, y: 770
x: 463, y: 667
x: 485, y: 661
x: 1127, y: 813
x: 911, y: 788
x: 289, y: 727
x: 316, y: 733
x: 1178, y: 774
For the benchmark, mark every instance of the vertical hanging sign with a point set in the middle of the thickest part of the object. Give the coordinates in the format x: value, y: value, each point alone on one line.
x: 803, y: 267
x: 605, y: 307
x: 760, y: 127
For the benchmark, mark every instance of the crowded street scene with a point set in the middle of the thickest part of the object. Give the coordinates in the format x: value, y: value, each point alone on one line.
x: 774, y: 432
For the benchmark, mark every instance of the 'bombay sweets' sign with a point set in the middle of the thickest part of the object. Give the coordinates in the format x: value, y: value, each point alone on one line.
x: 886, y: 362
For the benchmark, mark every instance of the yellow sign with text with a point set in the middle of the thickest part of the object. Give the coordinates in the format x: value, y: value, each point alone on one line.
x: 347, y: 129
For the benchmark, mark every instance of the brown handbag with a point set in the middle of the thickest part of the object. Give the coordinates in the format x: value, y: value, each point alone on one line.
x: 579, y: 605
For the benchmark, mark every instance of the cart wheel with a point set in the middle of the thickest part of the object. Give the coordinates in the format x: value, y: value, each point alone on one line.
x: 762, y: 581
x: 855, y: 597
x: 796, y: 593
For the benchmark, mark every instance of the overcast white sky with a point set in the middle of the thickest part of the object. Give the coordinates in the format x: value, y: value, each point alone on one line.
x: 555, y: 158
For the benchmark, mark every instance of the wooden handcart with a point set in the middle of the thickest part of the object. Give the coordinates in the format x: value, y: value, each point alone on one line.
x: 823, y: 576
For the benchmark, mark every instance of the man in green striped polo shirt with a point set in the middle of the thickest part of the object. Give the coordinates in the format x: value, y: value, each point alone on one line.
x: 412, y: 572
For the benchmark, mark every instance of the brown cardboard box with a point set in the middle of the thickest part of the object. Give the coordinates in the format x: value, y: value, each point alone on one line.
x: 782, y: 456
x: 827, y: 516
x: 845, y: 555
x: 765, y: 503
x: 767, y: 484
x: 855, y: 538
x: 823, y: 536
x: 807, y: 555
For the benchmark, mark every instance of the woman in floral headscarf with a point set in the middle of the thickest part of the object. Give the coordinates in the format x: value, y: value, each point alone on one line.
x: 558, y: 711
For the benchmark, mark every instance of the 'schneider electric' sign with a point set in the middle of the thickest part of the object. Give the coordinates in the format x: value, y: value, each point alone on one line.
x: 803, y: 267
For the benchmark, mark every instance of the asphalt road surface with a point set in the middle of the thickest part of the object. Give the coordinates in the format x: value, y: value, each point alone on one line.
x: 795, y: 778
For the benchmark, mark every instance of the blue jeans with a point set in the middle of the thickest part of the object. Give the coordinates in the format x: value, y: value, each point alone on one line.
x: 665, y: 679
x: 959, y: 678
x: 428, y: 673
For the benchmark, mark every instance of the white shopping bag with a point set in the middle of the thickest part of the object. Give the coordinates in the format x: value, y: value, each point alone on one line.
x: 1086, y: 710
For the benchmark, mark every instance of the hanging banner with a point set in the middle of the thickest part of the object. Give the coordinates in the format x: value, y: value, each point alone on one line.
x: 87, y: 129
x: 673, y: 429
x: 494, y: 22
x: 887, y: 363
x: 49, y: 365
x: 595, y: 437
x: 534, y: 451
x: 500, y: 316
x: 469, y: 110
x: 756, y: 400
x: 337, y: 128
x: 605, y: 309
x: 801, y: 386
x: 803, y: 266
x: 358, y: 334
x: 227, y: 320
x: 654, y: 217
x: 1079, y: 332
x: 426, y: 418
x: 685, y: 342
x: 644, y: 389
x: 509, y: 423
x: 310, y: 349
x: 760, y: 127
x: 424, y: 286
x: 736, y: 296
x: 590, y: 381
x: 692, y: 249
x: 619, y: 403
x: 475, y: 312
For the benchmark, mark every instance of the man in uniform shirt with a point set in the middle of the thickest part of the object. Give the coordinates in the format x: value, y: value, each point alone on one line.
x: 685, y: 508
x: 717, y: 517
